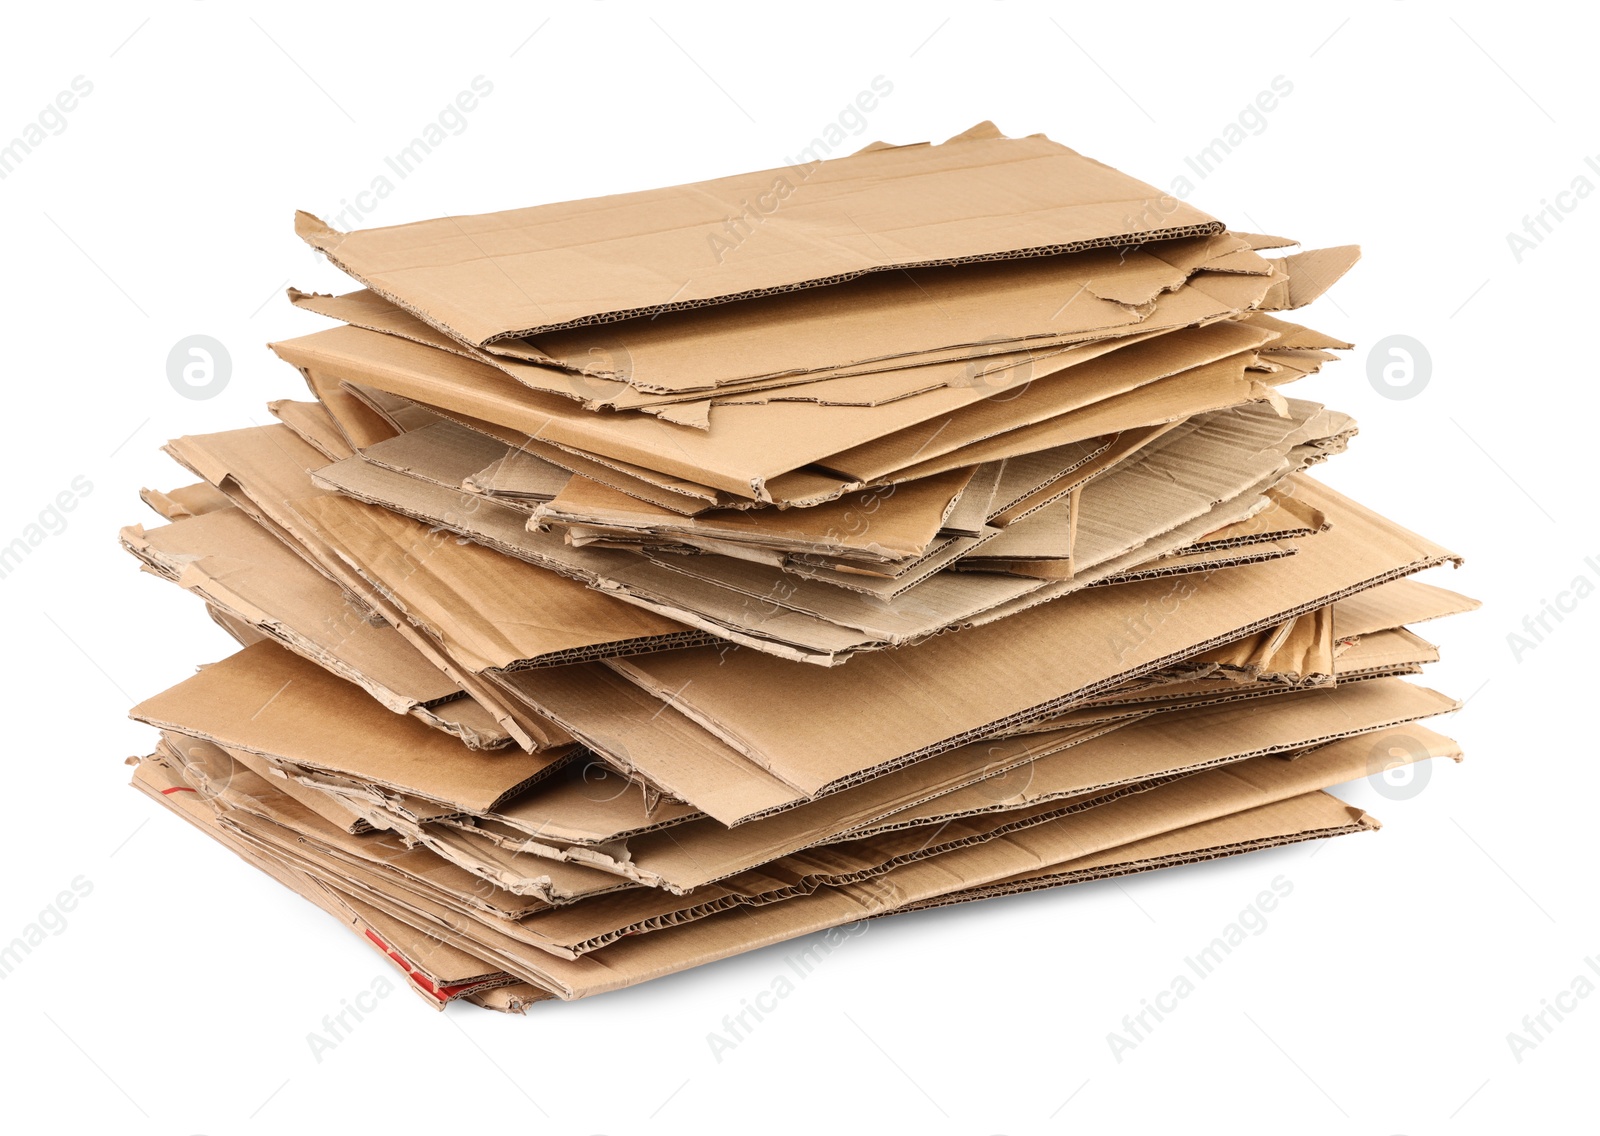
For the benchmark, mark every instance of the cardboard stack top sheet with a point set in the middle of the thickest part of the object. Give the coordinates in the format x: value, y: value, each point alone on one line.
x: 651, y: 578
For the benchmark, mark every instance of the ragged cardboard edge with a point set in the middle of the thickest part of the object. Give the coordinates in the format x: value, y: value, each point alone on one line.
x: 547, y: 883
x: 1260, y: 241
x: 185, y: 501
x: 193, y: 755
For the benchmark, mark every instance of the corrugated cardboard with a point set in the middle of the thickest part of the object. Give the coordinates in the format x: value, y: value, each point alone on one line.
x: 498, y: 276
x: 952, y: 688
x: 289, y: 709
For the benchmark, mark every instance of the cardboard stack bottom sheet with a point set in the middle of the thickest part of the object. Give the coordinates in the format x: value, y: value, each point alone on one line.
x: 623, y: 598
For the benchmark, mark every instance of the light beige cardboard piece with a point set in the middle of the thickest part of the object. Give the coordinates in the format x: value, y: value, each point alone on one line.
x: 1209, y: 459
x: 1396, y: 605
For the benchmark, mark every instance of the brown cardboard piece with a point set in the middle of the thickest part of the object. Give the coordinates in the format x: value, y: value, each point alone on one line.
x: 510, y: 274
x: 291, y: 708
x: 237, y: 566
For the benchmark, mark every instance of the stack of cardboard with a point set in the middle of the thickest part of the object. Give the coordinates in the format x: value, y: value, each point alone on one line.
x: 661, y: 576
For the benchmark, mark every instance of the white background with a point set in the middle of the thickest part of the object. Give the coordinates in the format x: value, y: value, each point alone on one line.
x: 179, y: 996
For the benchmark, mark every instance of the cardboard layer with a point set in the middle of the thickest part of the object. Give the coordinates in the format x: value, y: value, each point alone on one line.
x: 515, y: 273
x: 492, y: 613
x: 898, y: 315
x: 261, y: 470
x: 313, y: 425
x: 1200, y: 738
x: 234, y: 564
x: 268, y: 701
x: 894, y: 523
x: 1313, y: 816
